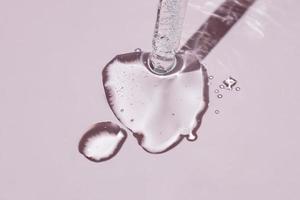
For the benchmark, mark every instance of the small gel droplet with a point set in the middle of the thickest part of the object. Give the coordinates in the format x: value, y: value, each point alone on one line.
x: 102, y: 142
x: 217, y: 91
x: 220, y: 96
x: 217, y: 112
x: 211, y: 77
x: 230, y: 83
x: 238, y: 89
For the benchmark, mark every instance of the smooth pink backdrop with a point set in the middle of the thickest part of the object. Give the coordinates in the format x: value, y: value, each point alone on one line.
x: 51, y: 57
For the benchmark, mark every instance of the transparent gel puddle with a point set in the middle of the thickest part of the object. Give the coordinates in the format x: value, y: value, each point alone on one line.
x: 159, y: 110
x: 102, y: 142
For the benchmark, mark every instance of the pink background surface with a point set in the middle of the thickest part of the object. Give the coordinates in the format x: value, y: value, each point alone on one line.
x: 51, y: 57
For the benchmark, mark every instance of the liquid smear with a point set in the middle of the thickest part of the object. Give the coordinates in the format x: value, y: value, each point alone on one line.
x: 102, y: 142
x: 160, y: 110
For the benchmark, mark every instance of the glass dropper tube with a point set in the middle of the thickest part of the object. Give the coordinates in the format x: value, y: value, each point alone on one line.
x: 167, y: 35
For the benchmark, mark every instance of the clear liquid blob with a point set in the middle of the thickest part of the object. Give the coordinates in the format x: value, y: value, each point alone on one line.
x: 102, y: 142
x: 160, y: 110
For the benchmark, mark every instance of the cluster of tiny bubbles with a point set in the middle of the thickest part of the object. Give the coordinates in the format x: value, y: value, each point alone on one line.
x: 228, y: 84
